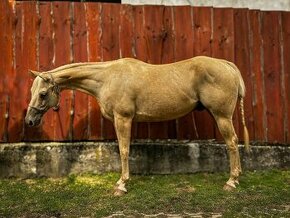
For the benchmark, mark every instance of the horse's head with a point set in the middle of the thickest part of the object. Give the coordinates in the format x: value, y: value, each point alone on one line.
x: 44, y: 95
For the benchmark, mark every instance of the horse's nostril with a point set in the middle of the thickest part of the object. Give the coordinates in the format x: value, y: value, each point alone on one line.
x: 30, y: 123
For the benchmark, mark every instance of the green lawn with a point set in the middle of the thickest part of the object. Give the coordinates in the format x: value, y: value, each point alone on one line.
x: 260, y: 194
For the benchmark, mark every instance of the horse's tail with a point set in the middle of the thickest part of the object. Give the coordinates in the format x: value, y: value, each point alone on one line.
x: 242, y: 93
x: 246, y: 133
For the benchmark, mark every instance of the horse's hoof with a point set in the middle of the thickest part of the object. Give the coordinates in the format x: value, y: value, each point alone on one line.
x: 229, y: 188
x: 119, y: 192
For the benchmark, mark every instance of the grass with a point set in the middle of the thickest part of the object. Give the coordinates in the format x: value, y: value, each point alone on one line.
x: 260, y: 194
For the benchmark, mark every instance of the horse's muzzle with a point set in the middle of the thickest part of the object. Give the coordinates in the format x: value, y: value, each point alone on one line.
x: 30, y: 123
x: 32, y: 120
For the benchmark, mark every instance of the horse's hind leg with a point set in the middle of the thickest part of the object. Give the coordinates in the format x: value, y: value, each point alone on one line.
x: 226, y: 128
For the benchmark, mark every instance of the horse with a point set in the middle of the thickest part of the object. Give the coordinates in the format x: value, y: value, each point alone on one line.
x: 129, y: 90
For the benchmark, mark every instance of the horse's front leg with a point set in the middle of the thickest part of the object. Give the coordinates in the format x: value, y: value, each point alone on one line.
x: 123, y: 131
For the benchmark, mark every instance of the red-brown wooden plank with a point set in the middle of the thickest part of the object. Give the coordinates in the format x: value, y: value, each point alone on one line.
x: 3, y: 116
x: 154, y: 34
x: 2, y: 73
x: 168, y: 48
x: 30, y: 43
x: 110, y: 49
x: 6, y: 65
x: 26, y: 58
x: 285, y: 28
x: 142, y: 130
x: 93, y: 16
x: 126, y: 36
x: 223, y: 33
x: 242, y: 60
x: 202, y: 19
x: 63, y: 55
x: 272, y: 75
x: 257, y: 71
x: 46, y: 55
x: 127, y: 42
x: 15, y: 113
x: 80, y: 55
x: 183, y: 33
x: 223, y: 46
x: 183, y: 50
x: 167, y: 36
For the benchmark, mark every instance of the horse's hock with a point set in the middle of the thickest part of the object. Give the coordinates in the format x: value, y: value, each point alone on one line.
x: 55, y: 159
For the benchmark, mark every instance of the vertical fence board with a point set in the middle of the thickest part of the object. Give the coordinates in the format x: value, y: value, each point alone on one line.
x: 154, y: 45
x: 46, y: 54
x: 184, y: 49
x: 30, y: 43
x: 256, y: 67
x: 168, y: 48
x: 126, y: 34
x: 3, y: 7
x: 242, y: 60
x: 3, y: 109
x: 139, y: 36
x: 93, y: 12
x: 80, y: 55
x: 127, y: 42
x: 62, y: 55
x: 272, y: 80
x: 140, y: 49
x: 223, y: 45
x: 202, y: 20
x: 110, y: 49
x: 285, y: 17
x: 26, y: 58
x: 223, y: 33
x: 167, y: 36
x: 153, y: 33
x: 15, y: 113
x: 6, y: 65
x: 202, y: 23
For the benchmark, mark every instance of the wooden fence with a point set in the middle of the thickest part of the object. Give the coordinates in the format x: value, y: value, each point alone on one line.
x: 42, y: 36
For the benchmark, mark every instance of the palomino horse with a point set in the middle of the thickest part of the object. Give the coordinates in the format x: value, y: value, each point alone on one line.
x: 130, y: 90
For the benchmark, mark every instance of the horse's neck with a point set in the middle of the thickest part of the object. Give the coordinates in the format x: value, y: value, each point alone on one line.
x: 85, y: 77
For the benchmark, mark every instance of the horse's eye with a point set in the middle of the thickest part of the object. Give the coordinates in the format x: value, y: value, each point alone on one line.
x: 43, y: 94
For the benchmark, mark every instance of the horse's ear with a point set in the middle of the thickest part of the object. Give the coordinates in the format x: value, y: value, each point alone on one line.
x: 34, y: 73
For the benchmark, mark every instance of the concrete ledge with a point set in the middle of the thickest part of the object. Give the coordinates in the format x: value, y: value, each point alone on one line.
x: 55, y: 159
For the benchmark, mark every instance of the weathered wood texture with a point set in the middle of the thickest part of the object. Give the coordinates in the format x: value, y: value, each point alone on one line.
x: 42, y: 36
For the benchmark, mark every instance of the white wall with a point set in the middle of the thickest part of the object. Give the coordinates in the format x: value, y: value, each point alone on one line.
x: 267, y: 5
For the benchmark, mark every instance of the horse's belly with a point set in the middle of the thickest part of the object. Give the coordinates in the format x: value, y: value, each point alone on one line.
x: 161, y: 112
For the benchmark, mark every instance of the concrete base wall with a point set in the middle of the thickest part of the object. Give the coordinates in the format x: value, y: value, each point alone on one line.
x: 25, y: 160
